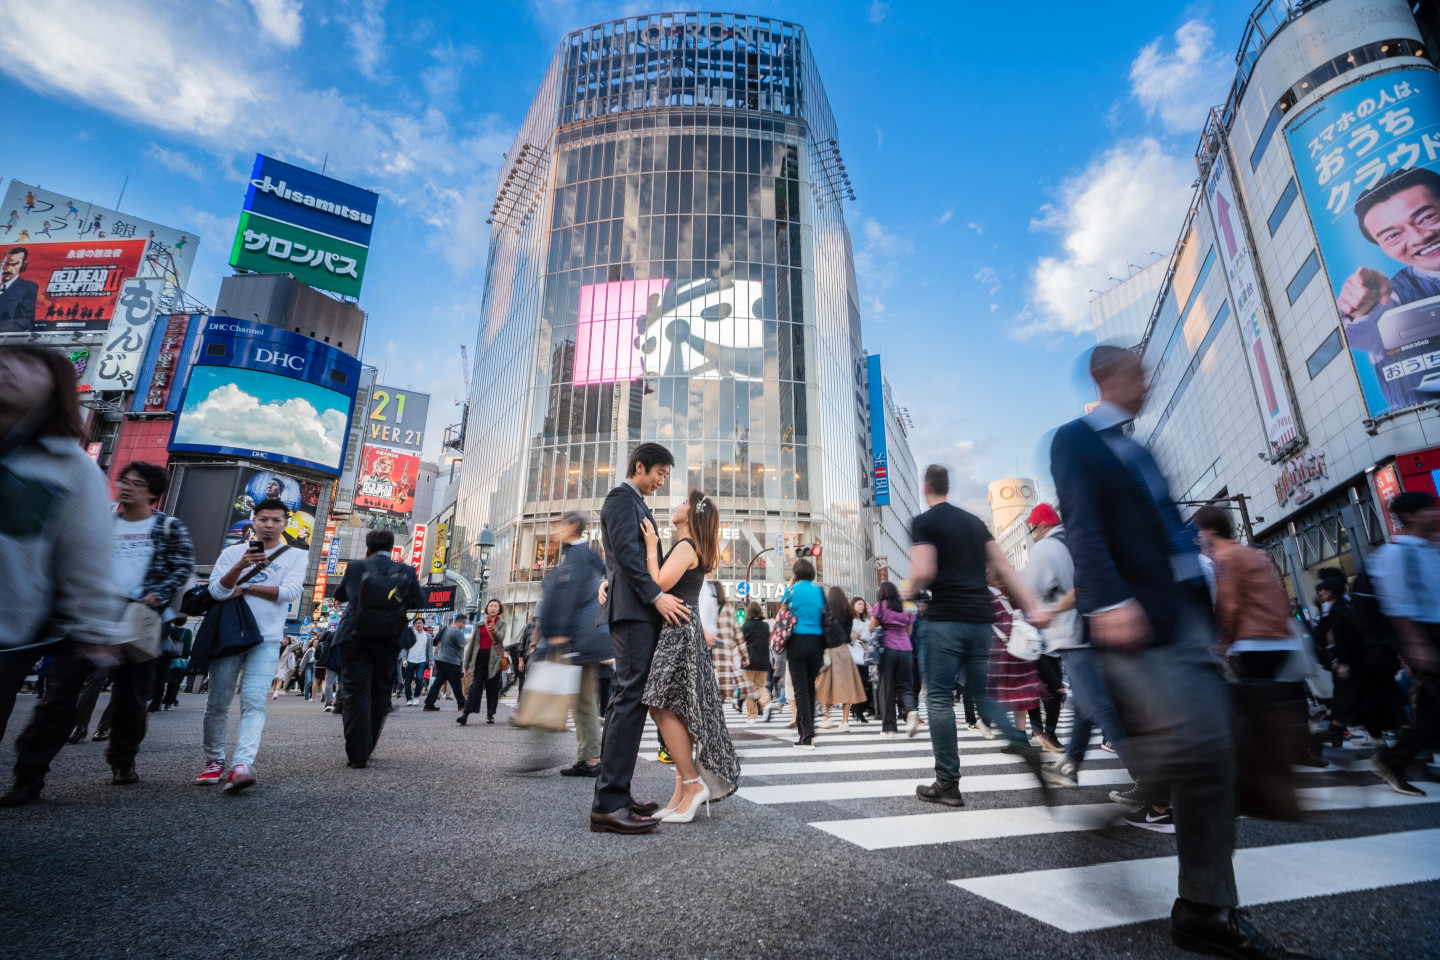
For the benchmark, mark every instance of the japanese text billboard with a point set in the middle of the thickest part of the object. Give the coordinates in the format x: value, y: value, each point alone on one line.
x: 1256, y: 332
x: 326, y: 263
x: 128, y: 337
x: 396, y: 418
x: 263, y: 393
x: 167, y: 361
x: 1368, y: 161
x: 387, y: 482
x: 33, y: 215
x: 64, y: 287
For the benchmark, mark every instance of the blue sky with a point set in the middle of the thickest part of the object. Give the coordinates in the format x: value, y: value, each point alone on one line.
x: 1007, y: 160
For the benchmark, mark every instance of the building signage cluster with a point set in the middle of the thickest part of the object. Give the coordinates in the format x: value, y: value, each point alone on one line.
x: 1296, y: 476
x: 1367, y: 158
x: 329, y: 553
x: 42, y: 216
x: 306, y: 224
x: 1277, y: 411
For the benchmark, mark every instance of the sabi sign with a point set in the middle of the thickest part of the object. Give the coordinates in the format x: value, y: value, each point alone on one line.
x: 1296, y: 476
x: 129, y: 335
x: 65, y: 287
x: 326, y: 263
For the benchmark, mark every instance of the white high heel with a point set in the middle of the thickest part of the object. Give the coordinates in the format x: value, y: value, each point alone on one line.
x: 664, y: 812
x: 675, y: 816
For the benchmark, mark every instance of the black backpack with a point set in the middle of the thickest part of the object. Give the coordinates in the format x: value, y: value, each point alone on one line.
x: 1374, y: 626
x: 380, y: 609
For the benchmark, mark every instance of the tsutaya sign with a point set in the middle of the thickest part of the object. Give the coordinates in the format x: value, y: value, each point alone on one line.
x: 1296, y: 476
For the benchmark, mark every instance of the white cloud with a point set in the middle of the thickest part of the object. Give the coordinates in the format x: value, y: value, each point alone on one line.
x: 977, y: 227
x: 418, y: 156
x: 987, y: 275
x: 879, y: 137
x: 877, y: 264
x: 1129, y: 201
x: 230, y: 417
x: 174, y: 161
x: 945, y: 217
x: 1182, y: 85
x: 367, y: 36
x: 878, y: 11
x: 280, y: 19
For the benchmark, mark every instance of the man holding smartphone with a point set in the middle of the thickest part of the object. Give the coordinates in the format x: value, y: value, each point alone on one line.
x: 269, y: 575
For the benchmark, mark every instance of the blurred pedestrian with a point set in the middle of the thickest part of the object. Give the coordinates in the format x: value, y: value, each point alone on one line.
x: 864, y: 657
x: 485, y: 661
x: 838, y: 682
x: 417, y: 657
x: 755, y: 661
x: 448, y: 664
x: 893, y: 625
x: 805, y: 650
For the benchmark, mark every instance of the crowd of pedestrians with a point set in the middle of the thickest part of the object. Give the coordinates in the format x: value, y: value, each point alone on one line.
x: 1174, y: 640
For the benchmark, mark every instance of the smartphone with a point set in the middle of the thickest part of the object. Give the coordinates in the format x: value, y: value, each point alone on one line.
x: 256, y: 546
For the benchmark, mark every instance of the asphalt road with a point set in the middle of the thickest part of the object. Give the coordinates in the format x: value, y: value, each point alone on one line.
x: 442, y: 848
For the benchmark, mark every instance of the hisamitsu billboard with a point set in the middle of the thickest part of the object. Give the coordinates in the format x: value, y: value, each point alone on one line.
x: 311, y: 200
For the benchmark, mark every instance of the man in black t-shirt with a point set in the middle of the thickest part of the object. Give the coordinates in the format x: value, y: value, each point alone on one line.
x: 951, y: 549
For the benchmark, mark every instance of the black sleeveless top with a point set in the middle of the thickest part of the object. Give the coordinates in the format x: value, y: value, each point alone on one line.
x: 687, y: 588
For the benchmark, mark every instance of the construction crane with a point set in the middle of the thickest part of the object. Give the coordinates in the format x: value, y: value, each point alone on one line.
x: 455, y: 433
x: 464, y: 374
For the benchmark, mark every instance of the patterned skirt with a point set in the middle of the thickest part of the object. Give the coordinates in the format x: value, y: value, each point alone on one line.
x: 1014, y: 683
x: 840, y: 682
x: 726, y: 661
x: 682, y: 680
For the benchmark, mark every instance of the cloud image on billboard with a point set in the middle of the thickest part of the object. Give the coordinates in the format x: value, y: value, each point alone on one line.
x: 251, y: 411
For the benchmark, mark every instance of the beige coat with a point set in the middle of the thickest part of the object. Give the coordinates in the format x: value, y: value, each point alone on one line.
x: 497, y: 648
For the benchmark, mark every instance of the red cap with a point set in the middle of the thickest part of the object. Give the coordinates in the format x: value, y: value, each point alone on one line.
x: 1045, y: 515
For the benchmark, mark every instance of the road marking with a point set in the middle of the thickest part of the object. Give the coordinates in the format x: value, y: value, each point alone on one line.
x: 866, y: 789
x: 865, y: 766
x: 1078, y: 899
x: 827, y: 748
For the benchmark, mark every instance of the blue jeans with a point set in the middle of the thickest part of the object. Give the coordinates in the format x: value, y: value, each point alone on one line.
x: 947, y: 652
x: 259, y: 664
x: 307, y: 681
x: 1093, y: 706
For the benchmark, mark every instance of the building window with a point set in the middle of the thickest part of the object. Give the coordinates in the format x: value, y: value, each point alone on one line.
x: 1323, y: 354
x: 1307, y: 271
x: 1277, y: 216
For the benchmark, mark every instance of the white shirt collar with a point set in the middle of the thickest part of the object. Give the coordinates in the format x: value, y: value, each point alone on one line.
x: 1107, y: 415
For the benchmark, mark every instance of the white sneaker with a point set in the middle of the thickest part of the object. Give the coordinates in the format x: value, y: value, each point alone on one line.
x: 411, y: 702
x: 823, y: 724
x: 887, y: 734
x: 912, y: 723
x: 844, y: 727
x: 986, y: 731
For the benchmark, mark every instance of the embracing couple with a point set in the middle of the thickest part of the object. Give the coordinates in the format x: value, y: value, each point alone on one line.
x: 661, y: 662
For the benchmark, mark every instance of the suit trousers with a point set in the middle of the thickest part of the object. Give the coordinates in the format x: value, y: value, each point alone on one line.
x: 1175, y: 710
x: 367, y: 672
x: 634, y: 642
x: 441, y: 674
x: 804, y: 657
x: 586, y: 713
x: 489, y: 688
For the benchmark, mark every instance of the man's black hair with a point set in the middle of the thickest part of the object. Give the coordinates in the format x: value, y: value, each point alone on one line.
x: 803, y: 569
x: 23, y: 252
x: 647, y: 455
x: 1216, y: 520
x: 1392, y: 183
x: 152, y: 476
x: 937, y: 480
x: 459, y: 618
x: 271, y: 504
x: 1410, y: 503
x: 379, y: 541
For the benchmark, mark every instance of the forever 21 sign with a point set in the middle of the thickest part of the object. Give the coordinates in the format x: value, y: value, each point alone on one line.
x: 396, y: 418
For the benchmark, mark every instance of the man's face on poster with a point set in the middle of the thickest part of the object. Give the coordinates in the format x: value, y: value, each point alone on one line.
x: 1407, y: 227
x: 11, y: 266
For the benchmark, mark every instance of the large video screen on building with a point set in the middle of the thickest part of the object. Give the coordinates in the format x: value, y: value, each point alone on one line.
x: 262, y: 393
x: 1367, y: 158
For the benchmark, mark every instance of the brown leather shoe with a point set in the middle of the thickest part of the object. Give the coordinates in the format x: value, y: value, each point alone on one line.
x: 621, y: 821
x: 642, y: 809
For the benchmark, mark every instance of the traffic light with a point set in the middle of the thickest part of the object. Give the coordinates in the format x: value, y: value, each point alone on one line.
x: 808, y: 550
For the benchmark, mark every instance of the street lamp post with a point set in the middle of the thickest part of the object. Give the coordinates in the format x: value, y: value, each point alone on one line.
x: 486, y: 543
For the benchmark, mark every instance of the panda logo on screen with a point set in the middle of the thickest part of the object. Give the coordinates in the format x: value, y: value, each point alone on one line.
x: 714, y: 330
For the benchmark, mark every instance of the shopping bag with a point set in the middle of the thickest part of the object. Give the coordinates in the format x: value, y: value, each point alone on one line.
x: 551, y: 689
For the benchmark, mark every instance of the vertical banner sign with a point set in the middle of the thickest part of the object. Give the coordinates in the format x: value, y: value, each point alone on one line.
x: 345, y: 488
x: 1387, y: 488
x: 442, y: 542
x: 1367, y: 158
x: 397, y: 554
x: 1256, y: 332
x: 129, y: 334
x: 328, y: 555
x: 879, y: 454
x: 417, y: 548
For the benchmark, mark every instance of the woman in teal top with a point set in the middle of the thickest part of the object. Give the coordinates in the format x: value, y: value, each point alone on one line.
x: 805, y: 650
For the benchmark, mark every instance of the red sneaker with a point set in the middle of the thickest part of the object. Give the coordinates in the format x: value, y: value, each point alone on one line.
x: 211, y: 774
x: 241, y: 776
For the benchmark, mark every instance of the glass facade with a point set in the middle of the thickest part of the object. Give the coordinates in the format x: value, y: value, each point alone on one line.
x: 669, y: 262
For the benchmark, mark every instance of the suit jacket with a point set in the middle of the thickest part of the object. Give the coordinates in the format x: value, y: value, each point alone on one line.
x: 632, y: 592
x: 570, y: 607
x: 17, y: 306
x: 1113, y: 529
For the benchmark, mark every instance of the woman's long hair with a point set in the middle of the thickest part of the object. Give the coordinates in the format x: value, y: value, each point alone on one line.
x: 705, y: 529
x: 890, y: 596
x: 62, y: 418
x: 838, y: 606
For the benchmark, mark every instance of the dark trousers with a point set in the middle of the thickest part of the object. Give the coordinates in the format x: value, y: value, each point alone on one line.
x: 634, y: 642
x: 1048, y: 666
x: 1175, y: 710
x: 15, y: 666
x: 1423, y: 733
x: 89, y: 695
x: 804, y: 656
x: 490, y: 687
x: 157, y: 690
x: 54, y: 716
x: 414, y: 674
x: 442, y: 674
x: 367, y: 672
x: 895, y: 689
x: 871, y: 701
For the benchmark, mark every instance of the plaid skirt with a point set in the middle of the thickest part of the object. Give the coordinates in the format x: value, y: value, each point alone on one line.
x: 726, y: 659
x: 1014, y: 683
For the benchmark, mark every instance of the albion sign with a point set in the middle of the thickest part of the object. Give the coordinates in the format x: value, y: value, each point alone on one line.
x: 282, y: 190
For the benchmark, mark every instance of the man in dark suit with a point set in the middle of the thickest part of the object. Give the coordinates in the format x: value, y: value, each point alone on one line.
x: 634, y: 606
x: 372, y: 632
x: 17, y: 295
x: 1141, y: 590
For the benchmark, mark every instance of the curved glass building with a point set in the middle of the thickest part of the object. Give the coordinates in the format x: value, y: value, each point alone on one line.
x: 669, y: 261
